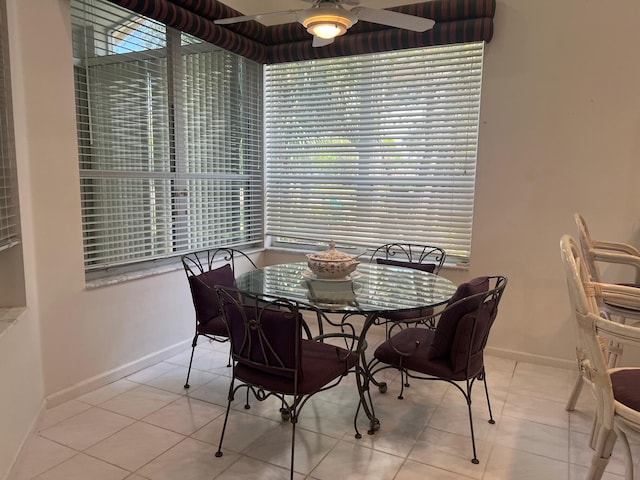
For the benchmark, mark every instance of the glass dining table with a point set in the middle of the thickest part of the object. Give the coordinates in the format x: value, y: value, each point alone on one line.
x: 371, y: 291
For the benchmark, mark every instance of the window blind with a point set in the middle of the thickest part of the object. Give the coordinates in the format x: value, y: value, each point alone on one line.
x: 372, y: 149
x: 9, y: 231
x: 170, y: 140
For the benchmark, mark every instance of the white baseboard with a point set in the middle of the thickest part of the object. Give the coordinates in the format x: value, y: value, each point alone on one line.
x: 532, y: 358
x: 105, y: 378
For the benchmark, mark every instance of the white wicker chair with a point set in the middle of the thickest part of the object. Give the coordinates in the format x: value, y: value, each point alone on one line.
x: 616, y: 390
x: 599, y: 251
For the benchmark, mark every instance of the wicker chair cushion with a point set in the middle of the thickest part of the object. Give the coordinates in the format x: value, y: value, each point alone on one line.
x: 425, y: 267
x: 626, y: 387
x: 320, y: 363
x: 448, y: 322
x: 205, y: 299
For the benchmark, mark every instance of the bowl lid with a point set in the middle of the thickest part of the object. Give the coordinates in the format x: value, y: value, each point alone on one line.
x: 332, y: 254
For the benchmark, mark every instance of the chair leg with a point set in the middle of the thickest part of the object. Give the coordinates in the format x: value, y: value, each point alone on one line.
x: 294, y: 420
x: 486, y: 392
x: 226, y: 418
x: 193, y: 349
x: 402, y: 383
x: 602, y: 452
x: 628, y: 459
x: 467, y: 396
x: 473, y: 438
x: 575, y: 394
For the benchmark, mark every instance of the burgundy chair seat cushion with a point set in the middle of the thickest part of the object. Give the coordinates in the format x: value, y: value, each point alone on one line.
x: 215, y: 326
x: 205, y: 300
x: 448, y: 322
x: 626, y: 387
x: 320, y: 364
x: 425, y: 267
x: 419, y: 362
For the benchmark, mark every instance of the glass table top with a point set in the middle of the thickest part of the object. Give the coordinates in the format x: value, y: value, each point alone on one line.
x: 371, y: 288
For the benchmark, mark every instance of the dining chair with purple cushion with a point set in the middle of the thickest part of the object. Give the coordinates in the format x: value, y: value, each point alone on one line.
x: 206, y: 269
x: 453, y: 351
x: 274, y: 354
x: 409, y: 255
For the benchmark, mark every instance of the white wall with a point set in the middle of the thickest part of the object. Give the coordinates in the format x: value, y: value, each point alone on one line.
x: 560, y: 132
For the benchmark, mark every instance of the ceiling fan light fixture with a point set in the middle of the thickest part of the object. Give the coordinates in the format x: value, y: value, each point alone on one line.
x: 327, y: 22
x: 327, y: 29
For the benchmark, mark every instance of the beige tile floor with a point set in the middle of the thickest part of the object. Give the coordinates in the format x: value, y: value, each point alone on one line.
x: 146, y: 426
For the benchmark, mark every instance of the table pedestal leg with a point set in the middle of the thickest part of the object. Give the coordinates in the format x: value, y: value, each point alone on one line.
x: 363, y: 378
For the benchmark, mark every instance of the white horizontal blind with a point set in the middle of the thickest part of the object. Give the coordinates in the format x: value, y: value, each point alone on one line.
x: 372, y: 149
x: 221, y: 103
x: 8, y: 190
x: 164, y: 169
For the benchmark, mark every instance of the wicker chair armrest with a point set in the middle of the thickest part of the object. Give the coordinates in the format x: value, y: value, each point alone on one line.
x: 616, y: 247
x: 621, y: 295
x: 618, y: 332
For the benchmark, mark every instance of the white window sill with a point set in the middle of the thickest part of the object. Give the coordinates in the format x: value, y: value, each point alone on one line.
x: 133, y: 275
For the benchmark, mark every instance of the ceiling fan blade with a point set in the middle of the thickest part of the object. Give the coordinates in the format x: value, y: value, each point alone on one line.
x: 321, y: 42
x: 393, y: 19
x: 247, y: 18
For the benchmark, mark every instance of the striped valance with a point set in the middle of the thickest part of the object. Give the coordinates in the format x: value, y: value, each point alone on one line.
x: 457, y: 21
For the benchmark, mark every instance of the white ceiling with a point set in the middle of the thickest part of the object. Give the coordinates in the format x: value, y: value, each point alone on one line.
x: 252, y: 7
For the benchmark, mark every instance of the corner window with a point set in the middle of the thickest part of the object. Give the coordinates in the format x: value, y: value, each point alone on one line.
x: 170, y: 140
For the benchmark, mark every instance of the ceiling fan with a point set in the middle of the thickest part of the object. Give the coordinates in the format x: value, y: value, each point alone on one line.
x: 328, y: 19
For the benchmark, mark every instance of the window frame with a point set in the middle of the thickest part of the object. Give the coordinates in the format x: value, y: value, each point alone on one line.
x: 178, y: 171
x: 9, y: 202
x: 307, y: 195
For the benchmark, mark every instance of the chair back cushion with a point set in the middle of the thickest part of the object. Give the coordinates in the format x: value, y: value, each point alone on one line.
x: 455, y: 310
x: 469, y: 343
x: 265, y: 338
x: 425, y: 267
x: 205, y: 300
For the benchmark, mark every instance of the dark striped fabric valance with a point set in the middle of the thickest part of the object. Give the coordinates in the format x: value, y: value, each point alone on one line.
x: 457, y: 21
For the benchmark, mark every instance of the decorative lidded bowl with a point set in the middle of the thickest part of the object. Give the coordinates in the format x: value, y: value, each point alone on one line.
x: 331, y: 264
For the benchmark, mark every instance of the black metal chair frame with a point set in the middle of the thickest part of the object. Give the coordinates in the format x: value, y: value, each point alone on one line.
x: 411, y: 252
x: 491, y: 297
x: 250, y: 308
x: 197, y: 263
